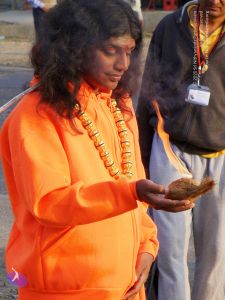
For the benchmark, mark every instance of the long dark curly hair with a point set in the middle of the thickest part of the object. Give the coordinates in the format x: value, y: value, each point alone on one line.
x: 69, y: 31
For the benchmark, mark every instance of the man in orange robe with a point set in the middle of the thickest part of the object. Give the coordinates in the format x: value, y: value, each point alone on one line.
x: 72, y: 162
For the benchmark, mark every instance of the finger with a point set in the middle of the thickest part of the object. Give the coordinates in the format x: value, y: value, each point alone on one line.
x: 160, y: 202
x: 177, y: 202
x: 132, y: 297
x: 179, y: 208
x: 136, y: 287
x: 131, y: 293
x: 194, y: 199
x: 155, y: 188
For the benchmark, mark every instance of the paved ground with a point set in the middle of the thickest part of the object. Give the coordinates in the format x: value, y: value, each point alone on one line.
x: 16, y: 16
x: 16, y: 39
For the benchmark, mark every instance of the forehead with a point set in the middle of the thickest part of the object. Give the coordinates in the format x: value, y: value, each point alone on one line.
x: 125, y: 42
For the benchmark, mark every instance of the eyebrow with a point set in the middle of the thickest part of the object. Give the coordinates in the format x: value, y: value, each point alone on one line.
x: 119, y: 47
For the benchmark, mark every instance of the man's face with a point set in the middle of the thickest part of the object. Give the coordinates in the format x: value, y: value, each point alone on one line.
x: 107, y: 64
x: 216, y: 8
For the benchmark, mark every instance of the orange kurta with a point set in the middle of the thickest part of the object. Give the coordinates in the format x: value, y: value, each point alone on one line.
x: 77, y: 231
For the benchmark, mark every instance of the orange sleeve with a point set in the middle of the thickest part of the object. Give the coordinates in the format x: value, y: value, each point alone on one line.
x: 42, y: 177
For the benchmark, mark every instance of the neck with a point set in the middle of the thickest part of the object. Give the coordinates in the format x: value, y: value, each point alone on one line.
x: 96, y: 86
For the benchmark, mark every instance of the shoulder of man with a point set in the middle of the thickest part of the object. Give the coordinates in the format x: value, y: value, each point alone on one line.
x: 177, y: 17
x: 171, y: 17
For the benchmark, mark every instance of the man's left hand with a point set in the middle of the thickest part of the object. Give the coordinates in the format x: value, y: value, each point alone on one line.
x: 143, y: 265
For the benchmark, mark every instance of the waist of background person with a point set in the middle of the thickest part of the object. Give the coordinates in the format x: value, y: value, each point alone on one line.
x: 214, y: 154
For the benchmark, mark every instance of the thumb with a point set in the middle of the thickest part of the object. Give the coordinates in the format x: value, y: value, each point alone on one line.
x: 144, y: 187
x: 155, y: 188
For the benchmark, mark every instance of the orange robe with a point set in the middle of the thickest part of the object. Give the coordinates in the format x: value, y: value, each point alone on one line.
x: 77, y: 231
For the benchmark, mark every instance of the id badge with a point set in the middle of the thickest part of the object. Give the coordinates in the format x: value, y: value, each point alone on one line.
x: 198, y: 94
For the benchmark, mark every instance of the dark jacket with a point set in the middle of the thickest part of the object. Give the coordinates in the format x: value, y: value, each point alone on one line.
x: 168, y: 72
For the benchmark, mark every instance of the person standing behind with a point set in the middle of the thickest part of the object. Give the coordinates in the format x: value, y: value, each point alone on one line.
x: 39, y: 7
x: 185, y: 73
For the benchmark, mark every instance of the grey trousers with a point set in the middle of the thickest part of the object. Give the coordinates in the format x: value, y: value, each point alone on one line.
x: 207, y: 219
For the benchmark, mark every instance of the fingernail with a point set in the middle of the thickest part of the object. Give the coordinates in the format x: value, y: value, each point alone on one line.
x: 187, y: 202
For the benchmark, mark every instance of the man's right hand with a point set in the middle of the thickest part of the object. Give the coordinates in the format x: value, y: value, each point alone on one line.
x: 155, y: 195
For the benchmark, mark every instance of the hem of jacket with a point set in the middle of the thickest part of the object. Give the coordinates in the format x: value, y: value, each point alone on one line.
x: 82, y: 294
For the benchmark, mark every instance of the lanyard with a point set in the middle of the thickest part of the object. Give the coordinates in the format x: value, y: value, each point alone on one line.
x: 201, y: 59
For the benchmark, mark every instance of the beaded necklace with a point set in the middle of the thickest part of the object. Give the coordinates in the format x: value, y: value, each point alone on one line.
x: 126, y: 164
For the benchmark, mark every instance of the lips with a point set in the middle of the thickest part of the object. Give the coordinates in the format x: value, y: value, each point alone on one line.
x: 114, y: 77
x: 213, y: 8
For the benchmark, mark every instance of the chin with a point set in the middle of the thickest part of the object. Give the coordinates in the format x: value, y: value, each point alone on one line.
x: 111, y: 85
x: 214, y: 14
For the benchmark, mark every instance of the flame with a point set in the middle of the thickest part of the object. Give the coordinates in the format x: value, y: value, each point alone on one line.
x: 175, y: 161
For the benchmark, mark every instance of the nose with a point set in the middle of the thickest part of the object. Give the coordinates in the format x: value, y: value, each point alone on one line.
x: 122, y: 63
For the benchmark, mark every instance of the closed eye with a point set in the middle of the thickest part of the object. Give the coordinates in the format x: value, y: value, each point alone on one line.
x: 109, y: 50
